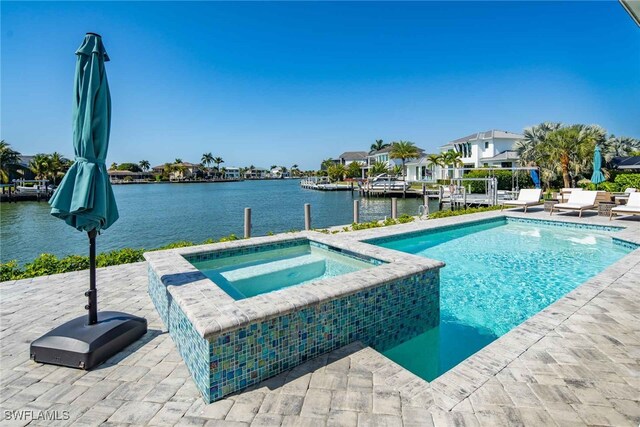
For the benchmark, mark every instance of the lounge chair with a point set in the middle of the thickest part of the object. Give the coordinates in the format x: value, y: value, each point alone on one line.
x: 566, y: 192
x: 578, y: 201
x: 631, y: 208
x: 527, y: 197
x: 619, y: 197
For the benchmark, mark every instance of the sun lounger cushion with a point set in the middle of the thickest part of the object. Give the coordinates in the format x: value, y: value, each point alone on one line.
x: 579, y: 200
x: 529, y: 195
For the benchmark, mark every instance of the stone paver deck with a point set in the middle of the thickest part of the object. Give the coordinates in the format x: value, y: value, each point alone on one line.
x: 575, y: 363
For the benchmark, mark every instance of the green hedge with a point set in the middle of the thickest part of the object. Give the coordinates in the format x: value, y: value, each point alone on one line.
x: 621, y: 182
x: 445, y: 214
x: 47, y: 264
x: 628, y: 180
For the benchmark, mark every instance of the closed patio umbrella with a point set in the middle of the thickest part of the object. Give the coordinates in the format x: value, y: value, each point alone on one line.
x: 597, y: 177
x: 85, y: 201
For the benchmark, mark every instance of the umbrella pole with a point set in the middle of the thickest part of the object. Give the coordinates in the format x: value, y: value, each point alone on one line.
x: 92, y: 293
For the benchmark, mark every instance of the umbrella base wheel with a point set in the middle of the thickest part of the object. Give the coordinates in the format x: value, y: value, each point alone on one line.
x: 78, y: 345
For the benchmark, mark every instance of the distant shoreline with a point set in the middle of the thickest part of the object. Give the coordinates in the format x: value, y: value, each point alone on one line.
x: 199, y: 181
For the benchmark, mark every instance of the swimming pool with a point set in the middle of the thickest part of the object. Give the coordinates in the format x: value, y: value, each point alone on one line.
x: 498, y: 273
x: 250, y: 274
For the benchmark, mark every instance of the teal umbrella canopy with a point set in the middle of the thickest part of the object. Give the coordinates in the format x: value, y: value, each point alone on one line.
x: 597, y: 177
x: 84, y: 198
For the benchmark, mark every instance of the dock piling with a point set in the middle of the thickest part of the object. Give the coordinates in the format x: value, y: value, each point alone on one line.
x: 247, y: 223
x: 394, y: 207
x: 307, y: 216
x: 356, y: 211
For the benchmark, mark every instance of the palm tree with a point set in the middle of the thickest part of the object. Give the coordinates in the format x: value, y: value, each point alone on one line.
x: 435, y: 159
x: 336, y: 172
x: 144, y: 165
x: 8, y: 160
x: 326, y: 164
x: 378, y: 168
x: 453, y: 158
x: 619, y: 146
x: 378, y: 145
x: 113, y: 166
x: 177, y: 160
x: 217, y: 161
x: 354, y: 170
x: 527, y: 148
x: 404, y: 150
x: 207, y: 159
x: 570, y: 148
x: 40, y: 165
x: 58, y: 165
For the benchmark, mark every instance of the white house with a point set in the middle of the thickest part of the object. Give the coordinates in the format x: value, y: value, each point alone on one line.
x: 490, y: 149
x: 420, y: 170
x: 256, y: 173
x: 349, y: 157
x: 231, y: 173
x: 493, y: 148
x: 180, y: 171
x: 279, y: 172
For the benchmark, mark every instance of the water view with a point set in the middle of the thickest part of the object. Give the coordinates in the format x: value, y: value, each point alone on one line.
x: 154, y: 215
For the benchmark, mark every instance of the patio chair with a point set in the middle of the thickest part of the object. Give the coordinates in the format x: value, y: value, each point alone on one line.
x: 631, y: 208
x: 624, y: 195
x: 578, y: 201
x: 566, y: 192
x: 527, y: 197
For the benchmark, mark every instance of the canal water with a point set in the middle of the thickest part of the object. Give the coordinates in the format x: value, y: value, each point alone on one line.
x: 154, y: 215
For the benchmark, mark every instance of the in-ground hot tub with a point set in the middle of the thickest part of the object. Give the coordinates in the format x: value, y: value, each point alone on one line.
x: 265, y: 270
x: 240, y: 312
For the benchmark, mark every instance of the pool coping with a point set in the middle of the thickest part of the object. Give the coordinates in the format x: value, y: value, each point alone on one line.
x: 458, y: 383
x: 212, y: 311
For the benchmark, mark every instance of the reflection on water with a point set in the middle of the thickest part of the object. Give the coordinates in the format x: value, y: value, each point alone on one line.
x: 157, y: 214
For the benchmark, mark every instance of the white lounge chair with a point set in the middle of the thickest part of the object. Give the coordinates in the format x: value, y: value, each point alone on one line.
x: 578, y: 201
x: 527, y: 197
x: 566, y: 192
x: 619, y: 197
x: 631, y: 208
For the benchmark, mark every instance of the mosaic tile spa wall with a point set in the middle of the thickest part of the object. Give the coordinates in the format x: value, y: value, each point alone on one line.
x: 381, y: 316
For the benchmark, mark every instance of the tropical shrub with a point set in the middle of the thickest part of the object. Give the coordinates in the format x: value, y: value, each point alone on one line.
x: 122, y: 256
x: 628, y: 180
x: 47, y: 264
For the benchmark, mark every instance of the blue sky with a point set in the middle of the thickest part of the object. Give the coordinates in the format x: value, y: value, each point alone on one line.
x: 285, y: 83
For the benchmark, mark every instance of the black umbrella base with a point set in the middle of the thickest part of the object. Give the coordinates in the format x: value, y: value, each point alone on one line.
x: 78, y: 345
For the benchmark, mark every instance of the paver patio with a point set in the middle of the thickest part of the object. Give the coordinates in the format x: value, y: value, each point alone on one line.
x: 575, y: 363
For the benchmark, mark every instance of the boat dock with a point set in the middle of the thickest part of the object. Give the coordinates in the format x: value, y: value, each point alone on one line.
x: 25, y: 190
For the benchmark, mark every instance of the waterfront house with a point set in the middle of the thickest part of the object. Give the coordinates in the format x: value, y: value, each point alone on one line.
x: 180, y: 171
x: 231, y: 173
x: 21, y: 170
x: 256, y: 173
x: 493, y: 148
x: 420, y: 170
x: 490, y: 149
x: 349, y: 157
x: 120, y: 177
x: 278, y: 172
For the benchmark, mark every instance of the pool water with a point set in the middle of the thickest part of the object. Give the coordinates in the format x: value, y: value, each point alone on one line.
x: 497, y: 275
x: 244, y: 276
